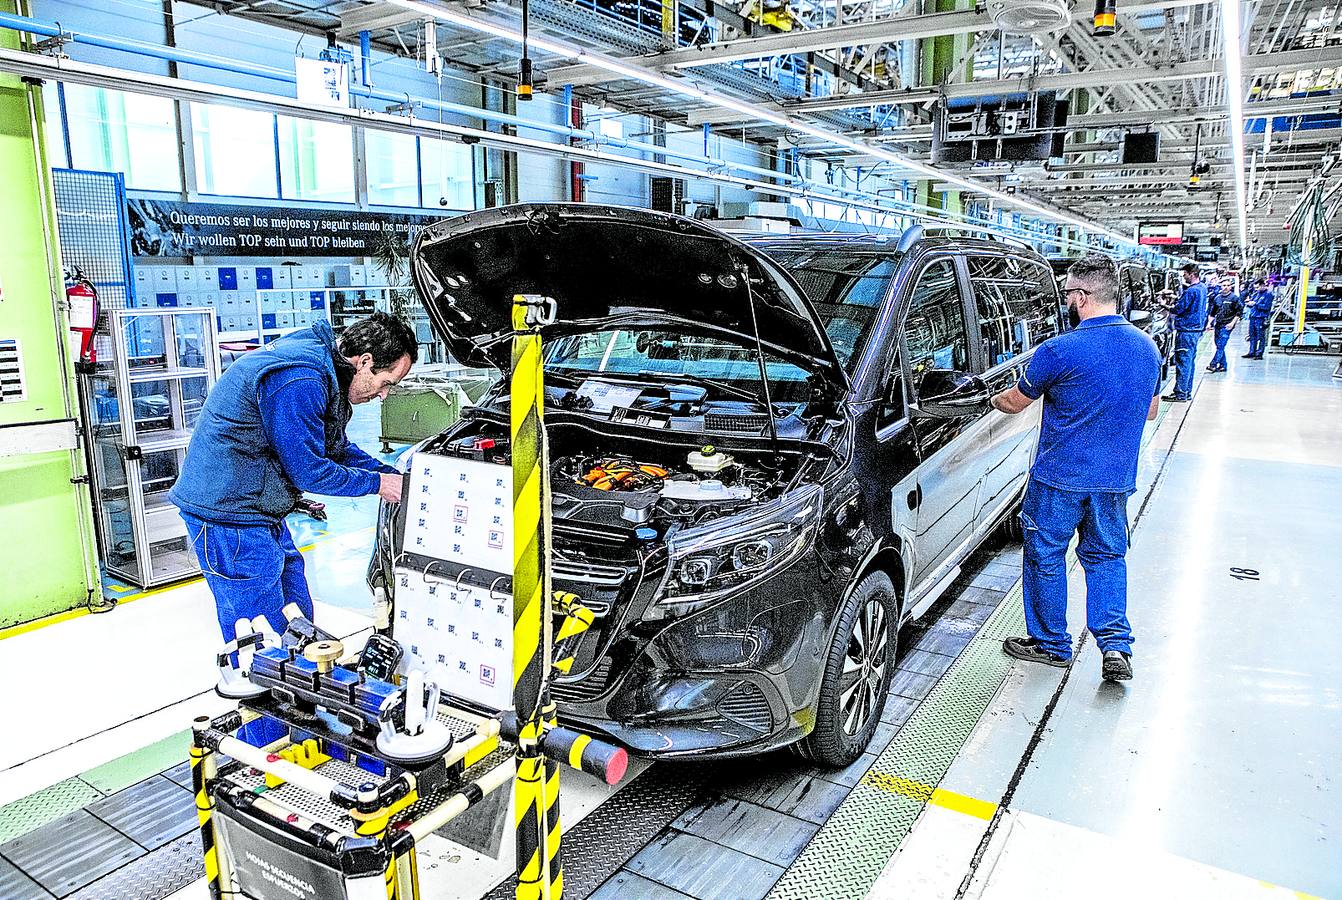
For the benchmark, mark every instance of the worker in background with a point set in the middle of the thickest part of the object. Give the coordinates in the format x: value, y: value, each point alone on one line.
x: 1100, y: 385
x: 1213, y: 280
x: 1260, y: 313
x: 1229, y: 309
x: 1190, y: 319
x: 273, y: 426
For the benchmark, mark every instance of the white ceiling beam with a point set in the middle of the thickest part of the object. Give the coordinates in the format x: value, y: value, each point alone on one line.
x: 880, y: 31
x: 1261, y: 64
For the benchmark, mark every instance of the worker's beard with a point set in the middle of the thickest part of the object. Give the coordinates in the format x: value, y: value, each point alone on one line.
x: 1073, y: 315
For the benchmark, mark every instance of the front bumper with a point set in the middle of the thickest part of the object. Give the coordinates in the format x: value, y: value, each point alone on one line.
x: 739, y: 677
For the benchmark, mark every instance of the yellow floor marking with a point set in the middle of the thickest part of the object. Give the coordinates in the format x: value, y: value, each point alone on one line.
x: 916, y: 790
x: 969, y: 806
x: 894, y: 784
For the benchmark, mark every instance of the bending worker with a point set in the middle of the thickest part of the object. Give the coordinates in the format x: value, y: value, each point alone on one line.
x: 1099, y: 383
x: 274, y: 425
x: 1190, y: 319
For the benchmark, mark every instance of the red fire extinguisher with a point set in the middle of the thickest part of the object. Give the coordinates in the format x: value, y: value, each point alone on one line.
x: 82, y: 299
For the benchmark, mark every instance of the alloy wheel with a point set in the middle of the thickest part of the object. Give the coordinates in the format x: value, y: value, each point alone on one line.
x: 864, y: 666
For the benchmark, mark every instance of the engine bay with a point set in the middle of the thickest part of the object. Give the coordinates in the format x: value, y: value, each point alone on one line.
x: 631, y: 483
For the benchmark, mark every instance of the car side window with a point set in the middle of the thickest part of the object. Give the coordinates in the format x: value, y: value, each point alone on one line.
x: 1017, y: 305
x: 935, y: 337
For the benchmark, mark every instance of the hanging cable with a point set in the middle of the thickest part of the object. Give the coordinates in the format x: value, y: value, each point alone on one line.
x: 1310, y: 220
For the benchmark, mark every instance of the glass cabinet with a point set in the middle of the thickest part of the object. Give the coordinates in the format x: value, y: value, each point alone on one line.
x: 142, y: 401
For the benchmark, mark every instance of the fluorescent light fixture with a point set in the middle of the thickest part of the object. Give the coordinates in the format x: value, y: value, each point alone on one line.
x: 722, y: 101
x: 1234, y: 72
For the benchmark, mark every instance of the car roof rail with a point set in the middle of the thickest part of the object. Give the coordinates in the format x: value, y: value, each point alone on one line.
x: 982, y: 233
x: 912, y: 235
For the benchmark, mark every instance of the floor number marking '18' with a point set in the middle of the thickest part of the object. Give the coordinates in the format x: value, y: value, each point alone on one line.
x: 1243, y: 574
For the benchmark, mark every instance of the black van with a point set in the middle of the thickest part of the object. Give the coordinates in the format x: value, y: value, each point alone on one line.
x: 766, y: 455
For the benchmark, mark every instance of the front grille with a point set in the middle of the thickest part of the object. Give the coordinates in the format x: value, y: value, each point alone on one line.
x: 747, y: 705
x: 720, y: 421
x: 592, y: 685
x: 598, y: 585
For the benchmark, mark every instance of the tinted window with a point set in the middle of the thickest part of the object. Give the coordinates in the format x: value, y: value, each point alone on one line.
x: 845, y: 288
x: 1136, y: 286
x: 1017, y: 305
x: 934, y: 328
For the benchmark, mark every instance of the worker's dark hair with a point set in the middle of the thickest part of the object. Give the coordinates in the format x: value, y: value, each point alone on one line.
x: 1100, y: 272
x: 383, y: 335
x: 1191, y: 269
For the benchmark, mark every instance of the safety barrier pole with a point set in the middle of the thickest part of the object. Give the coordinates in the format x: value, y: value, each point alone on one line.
x: 536, y: 787
x: 1302, y: 289
x: 204, y: 769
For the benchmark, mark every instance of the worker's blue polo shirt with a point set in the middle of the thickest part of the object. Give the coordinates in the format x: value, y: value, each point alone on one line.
x: 1096, y: 382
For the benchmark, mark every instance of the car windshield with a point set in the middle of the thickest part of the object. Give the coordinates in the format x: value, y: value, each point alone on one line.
x: 667, y: 355
x: 845, y: 287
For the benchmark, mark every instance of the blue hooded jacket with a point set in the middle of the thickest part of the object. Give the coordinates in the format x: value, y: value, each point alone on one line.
x: 274, y: 425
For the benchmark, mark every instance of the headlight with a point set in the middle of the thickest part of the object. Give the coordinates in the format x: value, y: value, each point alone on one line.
x: 726, y: 555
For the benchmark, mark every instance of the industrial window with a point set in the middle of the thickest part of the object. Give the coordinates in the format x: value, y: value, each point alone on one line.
x: 934, y: 329
x: 104, y: 127
x: 316, y: 160
x: 235, y: 151
x: 393, y: 166
x: 447, y: 174
x: 1017, y: 305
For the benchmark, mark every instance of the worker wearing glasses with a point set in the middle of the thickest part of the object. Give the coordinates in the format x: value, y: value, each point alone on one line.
x: 1099, y: 383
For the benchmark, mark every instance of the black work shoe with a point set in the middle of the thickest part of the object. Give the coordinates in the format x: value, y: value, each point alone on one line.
x: 1247, y: 356
x: 1028, y: 649
x: 1174, y: 398
x: 1117, y: 666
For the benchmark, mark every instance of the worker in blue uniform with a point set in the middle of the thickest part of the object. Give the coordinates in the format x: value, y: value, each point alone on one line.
x: 1213, y: 281
x: 1190, y: 319
x: 1260, y: 313
x: 1099, y: 383
x: 272, y: 427
x: 1229, y: 309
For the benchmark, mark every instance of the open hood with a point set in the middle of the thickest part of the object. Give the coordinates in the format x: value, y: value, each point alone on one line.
x: 608, y: 266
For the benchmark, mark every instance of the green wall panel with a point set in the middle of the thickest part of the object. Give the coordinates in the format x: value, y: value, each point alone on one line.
x: 47, y: 530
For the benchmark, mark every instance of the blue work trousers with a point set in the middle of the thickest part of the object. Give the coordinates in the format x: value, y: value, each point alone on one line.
x: 1050, y: 517
x: 252, y: 570
x: 1222, y: 338
x: 1257, y: 336
x: 1185, y: 357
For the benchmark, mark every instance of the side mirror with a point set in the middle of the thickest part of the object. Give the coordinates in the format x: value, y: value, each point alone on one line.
x: 947, y: 395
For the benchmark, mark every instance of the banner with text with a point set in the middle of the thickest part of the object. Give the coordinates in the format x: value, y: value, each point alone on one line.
x: 174, y: 228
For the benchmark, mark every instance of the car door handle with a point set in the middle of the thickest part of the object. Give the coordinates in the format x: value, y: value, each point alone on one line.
x: 915, y: 497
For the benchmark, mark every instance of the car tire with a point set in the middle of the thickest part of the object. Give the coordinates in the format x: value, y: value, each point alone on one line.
x: 861, y: 655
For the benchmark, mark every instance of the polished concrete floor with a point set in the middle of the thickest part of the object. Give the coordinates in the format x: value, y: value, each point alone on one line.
x: 1223, y: 754
x: 1214, y: 773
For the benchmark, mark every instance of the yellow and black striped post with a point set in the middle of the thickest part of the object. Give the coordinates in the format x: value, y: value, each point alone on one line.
x: 536, y: 787
x: 204, y: 768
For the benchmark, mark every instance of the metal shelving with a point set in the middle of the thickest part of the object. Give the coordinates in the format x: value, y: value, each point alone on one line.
x: 140, y: 404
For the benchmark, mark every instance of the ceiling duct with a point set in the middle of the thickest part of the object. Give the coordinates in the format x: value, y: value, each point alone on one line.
x: 1030, y: 16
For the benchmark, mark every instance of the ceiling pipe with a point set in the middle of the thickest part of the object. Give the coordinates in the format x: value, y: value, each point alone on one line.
x: 795, y: 185
x: 713, y: 98
x: 48, y: 67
